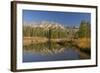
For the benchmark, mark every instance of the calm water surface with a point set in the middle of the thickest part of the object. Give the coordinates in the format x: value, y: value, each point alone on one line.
x: 49, y: 52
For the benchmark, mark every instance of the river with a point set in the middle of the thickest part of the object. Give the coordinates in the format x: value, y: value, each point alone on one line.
x: 52, y: 52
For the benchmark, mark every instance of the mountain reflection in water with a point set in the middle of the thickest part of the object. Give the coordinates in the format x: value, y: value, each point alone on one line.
x: 51, y: 51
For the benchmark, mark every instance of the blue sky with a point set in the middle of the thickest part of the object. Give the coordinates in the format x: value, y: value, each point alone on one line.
x: 65, y: 18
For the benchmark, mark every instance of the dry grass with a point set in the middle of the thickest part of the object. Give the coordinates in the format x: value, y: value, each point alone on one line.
x: 37, y: 40
x: 34, y: 40
x: 83, y: 43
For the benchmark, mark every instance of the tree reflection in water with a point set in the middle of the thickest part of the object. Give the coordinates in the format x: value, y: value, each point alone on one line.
x: 51, y: 48
x: 45, y: 48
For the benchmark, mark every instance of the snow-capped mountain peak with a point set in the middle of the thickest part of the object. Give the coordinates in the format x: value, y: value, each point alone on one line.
x: 48, y: 25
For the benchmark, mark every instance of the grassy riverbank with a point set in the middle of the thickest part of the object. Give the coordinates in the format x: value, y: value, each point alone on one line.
x: 34, y: 40
x: 84, y: 43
